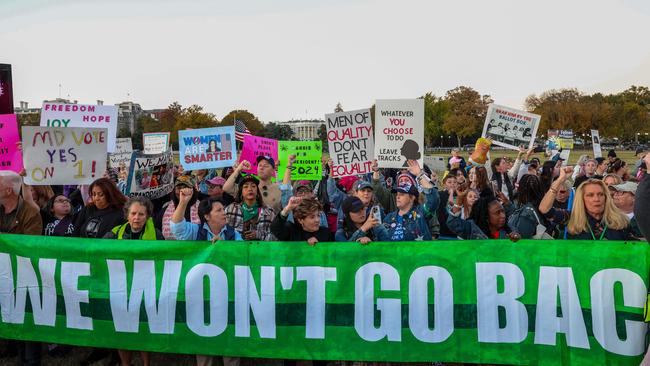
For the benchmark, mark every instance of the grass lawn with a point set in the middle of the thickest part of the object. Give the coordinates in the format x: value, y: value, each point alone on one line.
x: 628, y: 156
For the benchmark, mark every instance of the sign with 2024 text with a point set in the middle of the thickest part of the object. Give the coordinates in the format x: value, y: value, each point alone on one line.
x: 207, y: 148
x: 351, y: 146
x: 64, y: 155
x: 82, y: 115
x: 399, y: 132
x: 308, y: 164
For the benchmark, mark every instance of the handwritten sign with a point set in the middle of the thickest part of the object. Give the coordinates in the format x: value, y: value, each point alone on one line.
x: 308, y: 164
x: 121, y: 157
x: 10, y: 157
x: 64, y: 155
x: 399, y: 132
x: 351, y: 146
x: 595, y: 142
x: 155, y: 142
x: 151, y: 175
x: 509, y: 127
x: 207, y: 148
x: 255, y: 146
x: 82, y: 115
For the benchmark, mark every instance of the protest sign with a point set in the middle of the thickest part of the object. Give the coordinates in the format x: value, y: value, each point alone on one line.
x: 207, y: 148
x: 151, y: 175
x: 308, y: 164
x: 533, y: 302
x: 351, y: 146
x: 255, y: 146
x: 6, y: 90
x: 399, y: 132
x: 155, y: 142
x: 436, y: 163
x: 82, y: 115
x: 121, y: 157
x: 595, y: 142
x: 509, y: 127
x: 565, y: 139
x: 10, y: 157
x: 64, y: 155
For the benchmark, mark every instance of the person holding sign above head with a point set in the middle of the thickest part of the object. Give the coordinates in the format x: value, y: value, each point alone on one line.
x: 358, y: 225
x: 410, y: 221
x: 306, y: 213
x: 249, y: 215
x: 271, y: 194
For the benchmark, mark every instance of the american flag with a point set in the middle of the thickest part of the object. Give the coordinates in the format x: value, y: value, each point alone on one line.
x: 241, y: 130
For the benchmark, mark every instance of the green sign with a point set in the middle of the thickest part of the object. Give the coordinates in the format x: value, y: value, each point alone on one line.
x: 531, y: 302
x: 308, y: 164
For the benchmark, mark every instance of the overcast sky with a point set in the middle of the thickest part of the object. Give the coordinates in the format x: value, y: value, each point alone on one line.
x: 295, y: 59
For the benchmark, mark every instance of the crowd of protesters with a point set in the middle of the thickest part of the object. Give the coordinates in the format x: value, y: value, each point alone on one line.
x: 501, y: 199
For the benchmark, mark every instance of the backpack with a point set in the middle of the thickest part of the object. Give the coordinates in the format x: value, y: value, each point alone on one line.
x: 516, y: 217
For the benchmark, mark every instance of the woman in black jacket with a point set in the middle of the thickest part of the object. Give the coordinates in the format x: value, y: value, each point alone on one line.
x: 306, y: 214
x: 103, y: 213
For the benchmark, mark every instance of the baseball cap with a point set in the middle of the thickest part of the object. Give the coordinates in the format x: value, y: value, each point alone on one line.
x: 362, y: 184
x: 347, y: 182
x: 406, y: 188
x: 303, y: 185
x: 268, y: 160
x: 351, y: 204
x: 217, y: 181
x: 626, y: 187
x: 185, y: 180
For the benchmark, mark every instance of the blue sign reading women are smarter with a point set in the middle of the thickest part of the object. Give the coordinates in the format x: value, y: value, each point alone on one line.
x: 207, y: 148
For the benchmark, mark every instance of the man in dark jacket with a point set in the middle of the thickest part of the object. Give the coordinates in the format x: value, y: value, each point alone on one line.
x: 642, y: 201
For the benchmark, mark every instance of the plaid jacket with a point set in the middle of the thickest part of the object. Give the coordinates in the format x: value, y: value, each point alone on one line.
x: 235, y: 218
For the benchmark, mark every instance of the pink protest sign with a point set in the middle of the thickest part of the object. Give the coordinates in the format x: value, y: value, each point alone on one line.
x: 255, y: 146
x: 10, y: 157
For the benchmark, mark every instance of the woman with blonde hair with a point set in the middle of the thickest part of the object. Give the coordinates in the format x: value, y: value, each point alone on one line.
x: 593, y: 216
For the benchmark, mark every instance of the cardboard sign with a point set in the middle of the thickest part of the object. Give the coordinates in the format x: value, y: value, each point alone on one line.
x: 151, y: 176
x: 565, y: 138
x: 11, y: 158
x: 510, y: 128
x: 64, y: 155
x: 255, y: 146
x: 121, y: 157
x: 595, y: 142
x: 82, y: 115
x: 399, y: 132
x: 351, y: 146
x: 207, y: 148
x: 308, y: 164
x: 155, y: 142
x: 6, y: 90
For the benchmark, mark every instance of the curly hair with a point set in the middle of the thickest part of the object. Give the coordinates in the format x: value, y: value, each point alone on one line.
x: 307, y: 207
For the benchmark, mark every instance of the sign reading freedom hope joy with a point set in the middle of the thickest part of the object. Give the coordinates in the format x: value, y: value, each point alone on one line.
x: 82, y: 115
x: 479, y: 301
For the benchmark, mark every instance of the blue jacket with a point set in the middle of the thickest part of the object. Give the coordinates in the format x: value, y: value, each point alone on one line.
x: 379, y: 233
x: 416, y: 221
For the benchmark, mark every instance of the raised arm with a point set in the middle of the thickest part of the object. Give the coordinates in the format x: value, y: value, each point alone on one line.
x: 549, y: 197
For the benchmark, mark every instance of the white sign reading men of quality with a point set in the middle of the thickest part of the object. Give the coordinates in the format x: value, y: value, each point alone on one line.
x: 595, y: 142
x: 399, y: 132
x: 82, y: 115
x: 349, y: 135
x: 509, y: 127
x: 58, y: 155
x: 155, y: 142
x: 122, y: 153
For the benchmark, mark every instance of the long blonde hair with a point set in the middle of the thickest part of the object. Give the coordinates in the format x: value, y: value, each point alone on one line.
x: 612, y: 216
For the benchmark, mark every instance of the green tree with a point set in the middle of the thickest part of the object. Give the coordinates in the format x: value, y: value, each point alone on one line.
x: 276, y: 131
x: 253, y: 124
x: 467, y: 109
x: 124, y: 131
x: 436, y: 110
x: 194, y: 117
x: 322, y: 135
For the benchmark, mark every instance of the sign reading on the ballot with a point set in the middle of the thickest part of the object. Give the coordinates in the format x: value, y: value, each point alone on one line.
x: 63, y: 155
x: 207, y: 148
x: 351, y: 146
x: 308, y: 164
x: 82, y: 115
x: 11, y: 157
x: 399, y: 132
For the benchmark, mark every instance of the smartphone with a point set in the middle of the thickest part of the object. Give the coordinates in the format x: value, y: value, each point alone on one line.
x: 376, y: 212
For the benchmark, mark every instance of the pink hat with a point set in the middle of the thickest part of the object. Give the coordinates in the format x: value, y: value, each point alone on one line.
x: 217, y: 181
x: 347, y: 182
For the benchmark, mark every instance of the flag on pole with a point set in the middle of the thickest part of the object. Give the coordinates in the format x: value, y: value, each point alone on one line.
x: 241, y: 130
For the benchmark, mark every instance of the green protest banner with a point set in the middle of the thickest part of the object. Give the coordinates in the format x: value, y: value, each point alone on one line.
x: 308, y: 164
x: 531, y: 302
